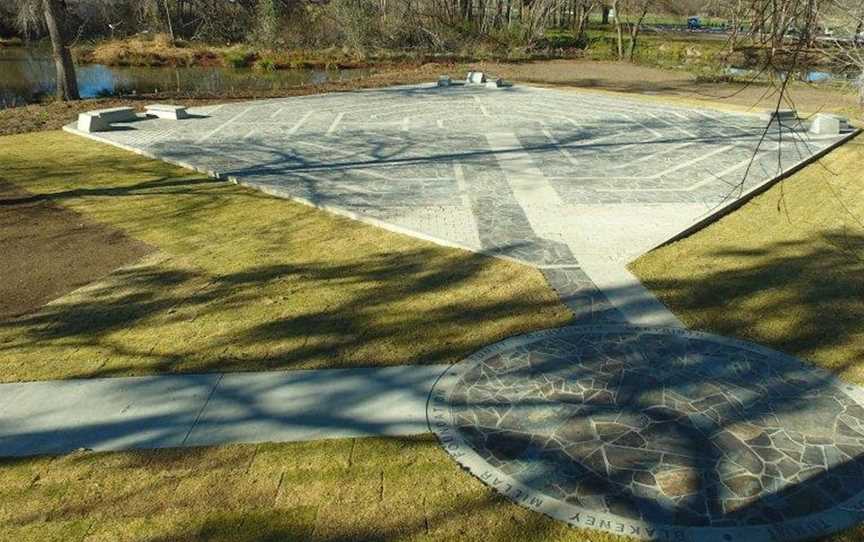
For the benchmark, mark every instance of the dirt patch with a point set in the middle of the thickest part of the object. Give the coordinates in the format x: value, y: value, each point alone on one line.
x: 48, y: 251
x: 645, y: 80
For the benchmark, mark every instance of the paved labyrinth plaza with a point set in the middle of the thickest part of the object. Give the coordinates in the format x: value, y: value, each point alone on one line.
x: 647, y: 432
x: 565, y: 181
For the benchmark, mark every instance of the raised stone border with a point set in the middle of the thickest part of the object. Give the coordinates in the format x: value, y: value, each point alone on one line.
x: 528, y: 456
x: 735, y: 204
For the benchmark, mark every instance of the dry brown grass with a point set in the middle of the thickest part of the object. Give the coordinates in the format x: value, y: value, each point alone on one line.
x: 786, y: 270
x: 156, y: 50
x: 358, y: 489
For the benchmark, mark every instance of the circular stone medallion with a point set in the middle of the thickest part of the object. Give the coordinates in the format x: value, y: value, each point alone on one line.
x: 662, y: 434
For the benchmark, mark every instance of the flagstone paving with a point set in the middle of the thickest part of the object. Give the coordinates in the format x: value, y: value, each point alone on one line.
x: 649, y: 432
x: 658, y: 434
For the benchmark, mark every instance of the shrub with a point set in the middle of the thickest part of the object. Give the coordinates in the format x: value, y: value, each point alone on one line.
x: 264, y: 65
x: 239, y: 58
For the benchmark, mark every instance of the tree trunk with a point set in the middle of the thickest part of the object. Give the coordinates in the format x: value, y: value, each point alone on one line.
x: 605, y: 15
x: 619, y: 31
x: 860, y: 84
x: 55, y: 20
x: 168, y: 18
x: 634, y: 33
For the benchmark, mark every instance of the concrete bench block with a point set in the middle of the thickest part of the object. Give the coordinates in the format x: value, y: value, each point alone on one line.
x: 475, y: 78
x: 498, y: 83
x: 167, y: 111
x: 87, y: 122
x: 826, y: 125
x: 101, y: 119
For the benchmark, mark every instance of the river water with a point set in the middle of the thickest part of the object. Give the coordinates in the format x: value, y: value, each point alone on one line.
x: 26, y: 74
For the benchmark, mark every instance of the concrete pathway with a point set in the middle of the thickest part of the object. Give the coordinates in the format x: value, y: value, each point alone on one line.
x: 194, y: 410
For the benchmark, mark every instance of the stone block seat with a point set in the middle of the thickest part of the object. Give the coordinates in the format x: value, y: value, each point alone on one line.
x: 830, y: 125
x: 167, y: 111
x: 101, y: 119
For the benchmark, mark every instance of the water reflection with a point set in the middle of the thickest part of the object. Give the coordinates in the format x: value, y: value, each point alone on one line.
x: 807, y: 76
x: 27, y: 74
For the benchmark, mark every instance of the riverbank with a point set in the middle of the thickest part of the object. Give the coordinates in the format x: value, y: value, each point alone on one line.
x: 675, y: 50
x: 53, y: 115
x: 660, y: 50
x: 159, y: 50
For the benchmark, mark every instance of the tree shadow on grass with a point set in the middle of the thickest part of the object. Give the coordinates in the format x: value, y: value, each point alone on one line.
x: 802, y: 297
x: 269, y: 316
x: 773, y: 267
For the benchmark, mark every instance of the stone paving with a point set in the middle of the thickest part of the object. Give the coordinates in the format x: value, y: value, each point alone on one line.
x: 658, y: 434
x: 565, y: 181
x: 647, y: 432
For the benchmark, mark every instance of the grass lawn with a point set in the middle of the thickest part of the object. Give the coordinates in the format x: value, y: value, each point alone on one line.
x: 791, y: 278
x: 786, y: 271
x: 339, y: 490
x: 332, y: 490
x: 242, y: 281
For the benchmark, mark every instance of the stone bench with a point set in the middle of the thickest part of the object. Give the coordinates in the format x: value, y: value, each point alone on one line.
x: 101, y: 119
x: 825, y: 124
x: 167, y: 111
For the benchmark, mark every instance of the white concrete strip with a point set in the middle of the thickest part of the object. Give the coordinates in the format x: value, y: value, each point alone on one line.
x: 221, y: 127
x: 482, y: 107
x: 101, y: 414
x: 627, y: 294
x: 335, y: 125
x: 530, y: 187
x: 190, y: 410
x: 583, y: 144
x: 299, y: 123
x: 310, y: 405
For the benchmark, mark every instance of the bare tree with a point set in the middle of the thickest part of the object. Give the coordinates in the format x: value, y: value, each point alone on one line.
x: 635, y: 11
x: 845, y: 49
x: 640, y: 10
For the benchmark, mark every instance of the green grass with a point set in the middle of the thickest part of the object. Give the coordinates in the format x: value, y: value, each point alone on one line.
x: 243, y: 281
x: 791, y: 279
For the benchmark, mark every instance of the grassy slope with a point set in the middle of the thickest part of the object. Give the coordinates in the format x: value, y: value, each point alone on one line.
x: 243, y: 281
x: 363, y: 489
x: 786, y: 271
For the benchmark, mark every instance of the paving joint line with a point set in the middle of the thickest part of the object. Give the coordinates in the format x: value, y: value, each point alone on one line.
x: 203, y: 407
